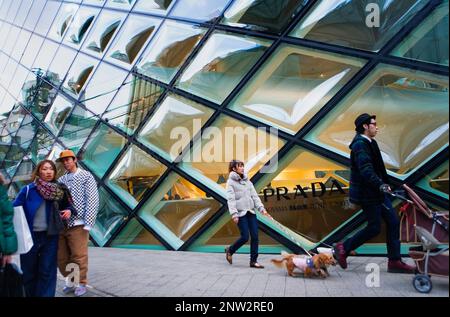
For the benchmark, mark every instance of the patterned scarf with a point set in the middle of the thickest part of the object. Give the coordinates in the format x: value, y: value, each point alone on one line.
x: 49, y: 190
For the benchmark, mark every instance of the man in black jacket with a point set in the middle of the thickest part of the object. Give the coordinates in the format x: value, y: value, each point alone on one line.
x: 368, y: 188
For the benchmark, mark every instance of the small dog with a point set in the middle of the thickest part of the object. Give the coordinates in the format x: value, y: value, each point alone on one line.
x: 317, y: 265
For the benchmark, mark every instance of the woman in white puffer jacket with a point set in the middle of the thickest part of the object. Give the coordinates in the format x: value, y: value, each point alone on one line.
x: 243, y: 202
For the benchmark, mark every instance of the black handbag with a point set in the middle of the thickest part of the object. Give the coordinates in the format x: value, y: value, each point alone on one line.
x: 11, y: 281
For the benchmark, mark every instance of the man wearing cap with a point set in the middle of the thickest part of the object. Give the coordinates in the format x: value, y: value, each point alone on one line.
x: 368, y: 188
x: 73, y: 242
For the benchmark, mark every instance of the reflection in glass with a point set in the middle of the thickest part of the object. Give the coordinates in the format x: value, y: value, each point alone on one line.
x: 80, y: 25
x: 180, y: 207
x: 174, y: 114
x: 13, y: 158
x: 221, y: 64
x: 229, y: 139
x: 45, y: 56
x: 37, y: 95
x: 169, y: 50
x: 41, y: 145
x: 121, y: 4
x: 343, y: 22
x: 48, y: 15
x: 77, y: 128
x: 308, y: 194
x: 103, y: 31
x: 294, y: 85
x: 102, y: 148
x: 156, y: 6
x: 60, y: 65
x: 436, y: 181
x: 202, y: 10
x: 23, y: 174
x: 406, y: 141
x: 102, y: 87
x: 429, y: 41
x: 58, y: 114
x: 264, y: 16
x: 109, y: 217
x: 132, y: 103
x: 135, y: 235
x: 134, y: 175
x: 33, y: 46
x: 131, y: 38
x: 62, y: 21
x: 26, y: 133
x: 79, y: 73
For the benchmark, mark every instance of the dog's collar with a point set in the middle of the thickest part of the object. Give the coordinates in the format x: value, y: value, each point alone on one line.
x: 310, y: 263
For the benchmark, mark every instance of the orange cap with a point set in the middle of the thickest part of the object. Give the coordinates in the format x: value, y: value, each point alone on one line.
x: 66, y: 153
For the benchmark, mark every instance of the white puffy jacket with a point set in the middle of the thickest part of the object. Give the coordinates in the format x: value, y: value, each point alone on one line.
x: 242, y: 196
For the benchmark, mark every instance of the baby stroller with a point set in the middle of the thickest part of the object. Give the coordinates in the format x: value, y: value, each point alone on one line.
x: 429, y: 228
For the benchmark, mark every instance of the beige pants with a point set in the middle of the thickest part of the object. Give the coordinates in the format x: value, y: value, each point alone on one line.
x: 73, y: 248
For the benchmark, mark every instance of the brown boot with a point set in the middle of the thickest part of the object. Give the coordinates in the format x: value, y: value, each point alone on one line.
x: 398, y: 266
x: 228, y: 255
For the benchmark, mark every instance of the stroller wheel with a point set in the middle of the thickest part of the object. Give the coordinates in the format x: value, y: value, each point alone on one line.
x: 422, y: 283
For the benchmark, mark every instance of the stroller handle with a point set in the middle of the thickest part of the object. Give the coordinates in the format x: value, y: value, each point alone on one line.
x: 393, y: 194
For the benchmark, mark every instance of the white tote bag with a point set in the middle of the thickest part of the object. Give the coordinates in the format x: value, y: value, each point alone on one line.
x: 24, y: 238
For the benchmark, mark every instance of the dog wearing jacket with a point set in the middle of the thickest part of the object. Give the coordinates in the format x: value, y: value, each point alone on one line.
x: 316, y: 265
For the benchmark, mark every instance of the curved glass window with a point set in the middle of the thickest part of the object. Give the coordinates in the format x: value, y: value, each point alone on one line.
x: 48, y: 15
x: 294, y: 85
x: 172, y: 126
x: 102, y: 148
x: 357, y: 24
x: 135, y: 235
x: 62, y: 21
x: 205, y: 11
x: 227, y: 139
x: 79, y: 73
x: 109, y: 217
x: 58, y: 114
x: 131, y: 39
x: 221, y: 64
x: 264, y: 16
x: 156, y: 6
x: 177, y: 210
x: 45, y: 56
x: 134, y: 175
x: 80, y: 26
x: 412, y: 116
x: 103, y: 31
x: 60, y: 65
x: 77, y: 128
x: 429, y: 41
x: 121, y: 4
x: 169, y: 49
x: 132, y: 103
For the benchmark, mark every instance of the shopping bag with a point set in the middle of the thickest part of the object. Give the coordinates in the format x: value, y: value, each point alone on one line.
x: 11, y: 281
x: 24, y: 238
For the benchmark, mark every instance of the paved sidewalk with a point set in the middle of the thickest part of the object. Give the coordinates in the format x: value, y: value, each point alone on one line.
x: 140, y: 273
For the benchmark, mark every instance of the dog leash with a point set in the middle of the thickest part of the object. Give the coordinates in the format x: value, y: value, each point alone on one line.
x: 291, y: 237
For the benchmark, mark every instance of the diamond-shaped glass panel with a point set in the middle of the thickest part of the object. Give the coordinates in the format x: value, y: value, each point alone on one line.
x: 229, y: 139
x: 136, y: 236
x: 173, y: 125
x: 58, y: 114
x: 102, y: 148
x: 294, y: 85
x: 412, y: 117
x: 109, y: 217
x: 134, y: 175
x: 178, y: 209
x: 436, y: 181
x: 132, y: 103
x: 169, y: 49
x: 364, y: 24
x: 429, y: 41
x: 221, y: 64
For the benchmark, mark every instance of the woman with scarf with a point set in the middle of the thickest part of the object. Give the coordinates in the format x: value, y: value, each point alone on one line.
x: 46, y: 204
x: 243, y: 202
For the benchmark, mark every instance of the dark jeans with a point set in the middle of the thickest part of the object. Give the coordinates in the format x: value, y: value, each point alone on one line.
x: 39, y: 266
x: 247, y: 224
x: 374, y: 213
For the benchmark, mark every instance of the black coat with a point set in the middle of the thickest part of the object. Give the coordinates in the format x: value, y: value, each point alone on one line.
x: 368, y: 172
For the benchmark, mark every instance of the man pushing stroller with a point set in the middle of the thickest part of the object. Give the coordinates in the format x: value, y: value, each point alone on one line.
x: 369, y: 188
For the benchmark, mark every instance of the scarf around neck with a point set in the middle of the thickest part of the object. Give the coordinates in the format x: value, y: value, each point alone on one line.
x: 49, y: 190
